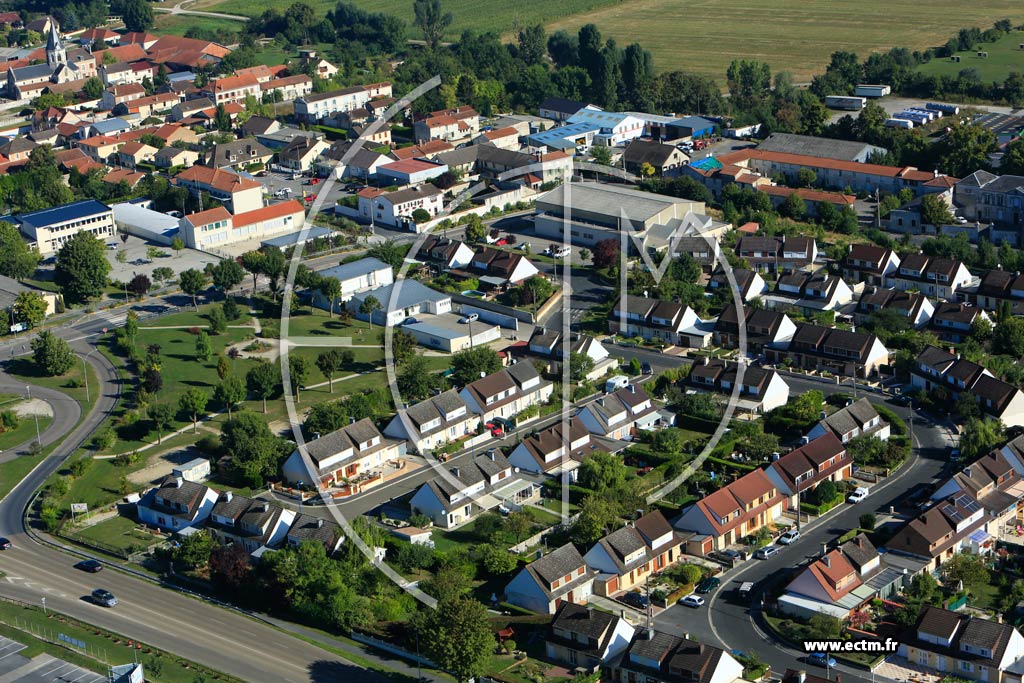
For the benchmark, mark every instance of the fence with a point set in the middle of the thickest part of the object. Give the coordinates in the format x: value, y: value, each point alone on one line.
x: 523, y: 546
x: 392, y: 648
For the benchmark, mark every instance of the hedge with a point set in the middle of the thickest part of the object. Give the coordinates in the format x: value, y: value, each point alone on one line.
x: 819, y: 510
x: 896, y: 423
x: 333, y: 133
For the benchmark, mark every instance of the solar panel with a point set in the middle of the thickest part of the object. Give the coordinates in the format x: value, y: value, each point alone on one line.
x: 967, y: 503
x: 951, y: 512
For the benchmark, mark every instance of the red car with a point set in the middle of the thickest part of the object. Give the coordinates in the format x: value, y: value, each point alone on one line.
x: 496, y: 429
x: 314, y: 181
x: 310, y: 198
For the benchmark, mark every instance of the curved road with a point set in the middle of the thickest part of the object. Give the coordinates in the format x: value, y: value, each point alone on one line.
x: 222, y: 639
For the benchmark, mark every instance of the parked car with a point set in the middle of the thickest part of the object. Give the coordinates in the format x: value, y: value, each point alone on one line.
x: 767, y: 552
x: 954, y: 455
x: 103, y: 597
x: 5, y: 543
x: 789, y: 537
x: 745, y: 589
x: 857, y: 496
x: 647, y: 369
x: 410, y: 321
x: 637, y: 600
x: 471, y: 318
x: 495, y: 428
x: 821, y: 659
x: 693, y: 601
x: 91, y: 566
x: 708, y: 585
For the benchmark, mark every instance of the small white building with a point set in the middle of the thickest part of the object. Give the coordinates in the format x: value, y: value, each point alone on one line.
x: 559, y: 577
x: 433, y: 422
x: 50, y: 229
x: 357, y: 276
x: 176, y: 504
x: 507, y: 392
x: 396, y: 208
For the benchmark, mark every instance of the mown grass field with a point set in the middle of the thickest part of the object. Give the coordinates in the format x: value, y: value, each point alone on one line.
x: 703, y: 36
x: 1004, y: 56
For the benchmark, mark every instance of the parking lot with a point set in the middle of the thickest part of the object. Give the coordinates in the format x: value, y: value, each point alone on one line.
x: 14, y: 668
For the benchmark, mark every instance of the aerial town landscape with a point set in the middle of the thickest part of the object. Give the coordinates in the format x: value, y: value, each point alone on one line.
x: 415, y: 341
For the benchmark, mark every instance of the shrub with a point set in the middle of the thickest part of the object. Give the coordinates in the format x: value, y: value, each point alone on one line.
x: 209, y: 444
x: 80, y: 466
x: 9, y: 418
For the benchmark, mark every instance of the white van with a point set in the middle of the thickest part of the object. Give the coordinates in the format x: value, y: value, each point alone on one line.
x: 561, y: 252
x: 615, y: 383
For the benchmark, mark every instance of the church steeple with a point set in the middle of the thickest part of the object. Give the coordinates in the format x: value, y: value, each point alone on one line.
x: 56, y: 55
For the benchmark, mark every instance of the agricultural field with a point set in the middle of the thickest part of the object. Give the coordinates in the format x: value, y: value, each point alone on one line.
x: 798, y: 36
x: 1004, y: 56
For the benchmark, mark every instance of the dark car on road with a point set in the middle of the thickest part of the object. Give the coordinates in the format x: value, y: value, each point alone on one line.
x: 91, y: 566
x: 708, y: 585
x: 637, y: 600
x: 5, y: 543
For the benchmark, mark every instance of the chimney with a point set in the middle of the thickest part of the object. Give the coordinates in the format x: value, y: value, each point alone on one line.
x: 707, y: 360
x: 590, y: 612
x: 319, y: 523
x: 801, y: 676
x: 455, y: 471
x: 351, y: 420
x: 632, y: 388
x: 178, y: 481
x: 650, y: 634
x: 226, y: 496
x: 263, y: 506
x: 826, y: 561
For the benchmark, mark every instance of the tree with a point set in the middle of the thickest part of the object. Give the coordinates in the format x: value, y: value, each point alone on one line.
x: 298, y: 371
x: 192, y: 282
x: 264, y: 381
x: 534, y: 290
x: 16, y: 259
x: 30, y: 308
x: 1008, y: 337
x: 195, y: 549
x: 476, y: 231
x: 52, y: 354
x: 934, y: 211
x: 137, y: 15
x: 221, y: 119
x: 606, y: 253
x: 601, y: 154
x: 330, y: 287
x: 793, y: 207
x: 471, y: 364
x: 139, y: 285
x: 82, y: 268
x: 193, y: 403
x: 825, y: 626
x: 223, y: 368
x: 965, y: 149
x: 457, y: 635
x: 596, y: 518
x: 518, y: 524
x: 805, y: 177
x: 970, y: 569
x: 162, y: 416
x: 415, y: 380
x: 431, y: 18
x: 163, y: 273
x: 980, y: 436
x: 230, y: 392
x: 228, y: 274
x: 496, y: 560
x: 601, y: 471
x: 177, y: 244
x: 204, y: 349
x: 230, y: 568
x: 580, y: 364
x: 368, y: 307
x: 329, y: 362
x: 254, y: 450
x: 218, y: 322
x: 403, y: 345
x: 867, y: 521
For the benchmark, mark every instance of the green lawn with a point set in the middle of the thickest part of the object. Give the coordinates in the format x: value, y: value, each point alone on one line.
x: 704, y: 36
x: 179, y: 24
x: 1004, y: 56
x: 72, y: 383
x: 97, y: 640
x: 13, y: 471
x: 117, y: 534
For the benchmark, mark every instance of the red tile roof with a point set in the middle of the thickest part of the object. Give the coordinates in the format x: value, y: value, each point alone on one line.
x: 217, y: 178
x: 288, y: 208
x: 209, y: 216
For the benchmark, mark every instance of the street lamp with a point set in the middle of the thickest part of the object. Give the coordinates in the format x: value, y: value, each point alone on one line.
x: 39, y: 442
x: 85, y: 373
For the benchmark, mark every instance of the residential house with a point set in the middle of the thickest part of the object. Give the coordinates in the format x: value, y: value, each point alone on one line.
x: 507, y: 392
x: 217, y: 227
x: 733, y: 512
x: 189, y: 108
x: 706, y: 252
x: 460, y: 123
x: 627, y: 557
x: 618, y: 414
x: 396, y: 208
x: 763, y: 328
x: 252, y: 523
x: 399, y: 301
x: 171, y: 157
x: 505, y: 138
x: 870, y: 264
x: 237, y: 154
x: 459, y: 494
x: 989, y: 198
x: 953, y: 525
x: 749, y: 283
x: 323, y: 107
x: 842, y: 352
x: 664, y: 160
x: 288, y: 88
x: 497, y: 267
x: 121, y: 94
x: 913, y: 306
x: 124, y: 175
x: 176, y: 504
x: 995, y: 287
x: 823, y: 458
x: 812, y: 199
x: 559, y: 108
x: 656, y: 657
x: 555, y: 451
x: 810, y: 292
x: 309, y: 528
x: 17, y: 148
x: 340, y: 162
x: 434, y: 422
x: 131, y: 154
x: 49, y: 229
x: 446, y: 252
x: 990, y: 481
x: 932, y: 276
x: 237, y: 193
x: 300, y: 154
x: 559, y: 577
x: 859, y: 418
x: 952, y: 322
x: 773, y: 254
x: 552, y: 345
x: 760, y: 391
x: 963, y: 646
x: 841, y: 582
x: 353, y: 452
x: 668, y: 322
x: 947, y: 375
x: 585, y: 638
